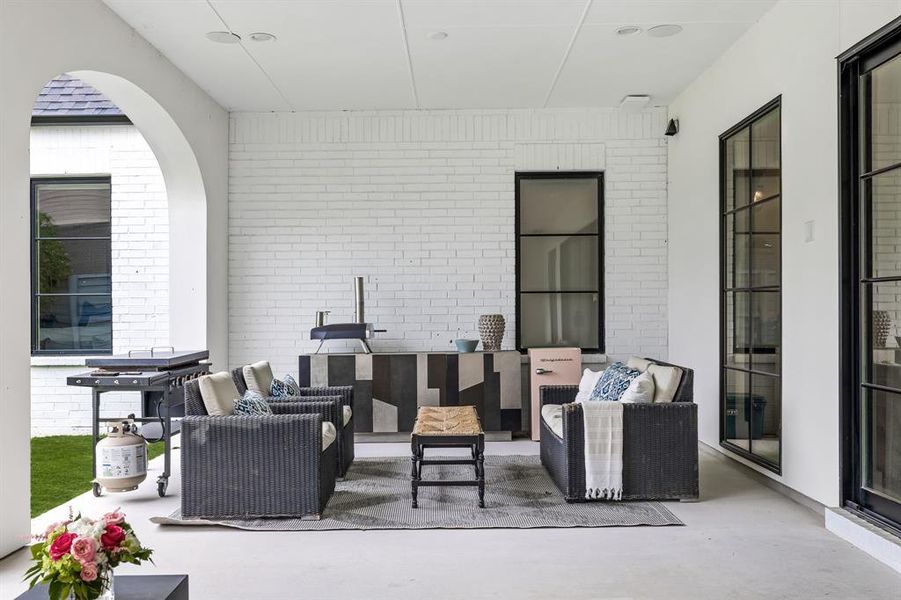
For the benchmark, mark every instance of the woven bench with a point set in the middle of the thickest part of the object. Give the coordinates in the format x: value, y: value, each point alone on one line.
x: 448, y: 427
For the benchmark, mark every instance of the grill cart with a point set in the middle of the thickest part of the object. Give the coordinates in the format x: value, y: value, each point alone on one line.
x: 159, y: 374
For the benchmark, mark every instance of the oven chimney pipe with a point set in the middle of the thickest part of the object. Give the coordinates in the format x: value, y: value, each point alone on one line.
x: 359, y: 313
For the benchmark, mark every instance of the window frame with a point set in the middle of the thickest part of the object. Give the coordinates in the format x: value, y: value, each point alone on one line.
x: 724, y: 290
x: 855, y: 231
x: 36, y: 181
x: 526, y: 175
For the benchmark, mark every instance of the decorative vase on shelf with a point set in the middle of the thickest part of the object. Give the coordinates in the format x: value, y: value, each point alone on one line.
x: 491, y: 330
x: 882, y: 324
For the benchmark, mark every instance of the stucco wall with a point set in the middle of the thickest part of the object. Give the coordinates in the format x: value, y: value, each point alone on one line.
x: 791, y: 51
x: 180, y: 122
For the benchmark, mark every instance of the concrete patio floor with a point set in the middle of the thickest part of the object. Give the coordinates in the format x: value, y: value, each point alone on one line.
x: 742, y: 540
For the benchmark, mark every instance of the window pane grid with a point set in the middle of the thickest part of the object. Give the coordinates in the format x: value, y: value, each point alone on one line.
x: 559, y: 281
x: 71, y: 265
x: 751, y: 288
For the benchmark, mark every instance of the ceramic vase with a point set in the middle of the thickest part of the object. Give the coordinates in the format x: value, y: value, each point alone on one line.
x: 491, y: 330
x: 882, y: 324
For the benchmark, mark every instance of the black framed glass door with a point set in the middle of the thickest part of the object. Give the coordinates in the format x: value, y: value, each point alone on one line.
x: 751, y: 287
x: 870, y: 129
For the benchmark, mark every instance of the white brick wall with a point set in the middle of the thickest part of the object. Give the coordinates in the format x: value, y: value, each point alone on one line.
x: 140, y: 261
x: 422, y: 204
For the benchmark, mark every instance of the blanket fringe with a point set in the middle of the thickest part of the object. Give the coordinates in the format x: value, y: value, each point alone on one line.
x: 604, y: 494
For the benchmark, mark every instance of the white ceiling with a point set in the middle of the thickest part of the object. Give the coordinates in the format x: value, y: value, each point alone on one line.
x: 375, y: 54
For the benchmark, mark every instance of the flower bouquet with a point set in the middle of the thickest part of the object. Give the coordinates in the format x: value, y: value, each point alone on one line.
x: 76, y: 557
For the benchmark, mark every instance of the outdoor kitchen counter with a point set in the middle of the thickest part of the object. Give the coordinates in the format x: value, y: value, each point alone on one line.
x: 389, y: 387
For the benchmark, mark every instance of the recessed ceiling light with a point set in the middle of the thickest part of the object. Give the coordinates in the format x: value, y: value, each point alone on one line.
x: 664, y: 30
x: 437, y: 35
x: 628, y: 30
x: 223, y: 37
x: 262, y: 36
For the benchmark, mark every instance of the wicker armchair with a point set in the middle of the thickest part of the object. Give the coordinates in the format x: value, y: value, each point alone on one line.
x: 345, y: 394
x: 256, y: 466
x: 660, y: 445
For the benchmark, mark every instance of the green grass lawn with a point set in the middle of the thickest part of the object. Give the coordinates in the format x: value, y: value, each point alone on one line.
x: 61, y: 469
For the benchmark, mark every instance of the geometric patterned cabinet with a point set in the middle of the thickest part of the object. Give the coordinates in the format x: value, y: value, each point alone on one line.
x: 389, y: 387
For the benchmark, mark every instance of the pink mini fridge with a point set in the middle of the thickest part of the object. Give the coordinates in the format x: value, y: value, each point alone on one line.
x: 551, y: 366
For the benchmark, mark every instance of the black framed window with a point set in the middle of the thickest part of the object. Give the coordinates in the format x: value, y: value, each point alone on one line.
x: 751, y: 285
x: 870, y: 160
x: 560, y: 260
x: 71, y: 266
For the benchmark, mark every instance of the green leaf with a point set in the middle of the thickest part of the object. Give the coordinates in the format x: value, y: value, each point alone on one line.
x: 36, y: 550
x: 54, y: 591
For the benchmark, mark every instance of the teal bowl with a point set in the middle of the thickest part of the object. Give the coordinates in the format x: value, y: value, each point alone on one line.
x: 466, y: 345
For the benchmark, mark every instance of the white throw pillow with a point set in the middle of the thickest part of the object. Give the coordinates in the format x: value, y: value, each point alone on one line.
x: 586, y: 384
x: 639, y: 364
x: 640, y: 391
x: 666, y: 382
x: 258, y: 377
x: 219, y: 393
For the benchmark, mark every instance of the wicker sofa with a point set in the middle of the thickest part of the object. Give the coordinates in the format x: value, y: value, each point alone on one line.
x: 660, y: 445
x: 256, y: 466
x: 344, y: 422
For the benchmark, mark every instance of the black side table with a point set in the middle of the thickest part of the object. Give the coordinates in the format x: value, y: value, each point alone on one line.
x: 134, y: 587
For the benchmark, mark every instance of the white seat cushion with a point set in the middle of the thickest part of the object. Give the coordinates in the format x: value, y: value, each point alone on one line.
x: 219, y: 393
x: 328, y: 434
x: 553, y: 416
x: 348, y: 412
x: 639, y: 364
x: 258, y: 377
x: 666, y: 382
x: 640, y: 391
x: 586, y: 384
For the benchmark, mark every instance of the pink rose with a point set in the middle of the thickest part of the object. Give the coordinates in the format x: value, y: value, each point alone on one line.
x: 84, y: 549
x: 114, y: 518
x: 61, y: 545
x: 89, y: 571
x: 112, y: 537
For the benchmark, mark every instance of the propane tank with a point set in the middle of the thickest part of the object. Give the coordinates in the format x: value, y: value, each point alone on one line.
x: 121, y: 458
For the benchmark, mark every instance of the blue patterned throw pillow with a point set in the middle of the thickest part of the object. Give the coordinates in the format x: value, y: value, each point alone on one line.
x: 613, y: 382
x: 284, y: 388
x: 252, y: 403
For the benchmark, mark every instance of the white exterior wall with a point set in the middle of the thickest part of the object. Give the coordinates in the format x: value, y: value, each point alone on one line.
x: 140, y: 262
x: 422, y: 204
x: 791, y: 51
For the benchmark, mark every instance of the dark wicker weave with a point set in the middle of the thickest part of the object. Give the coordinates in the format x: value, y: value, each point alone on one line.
x: 256, y: 466
x: 345, y: 393
x: 660, y: 445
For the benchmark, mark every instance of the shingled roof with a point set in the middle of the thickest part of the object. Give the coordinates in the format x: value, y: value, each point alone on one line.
x: 66, y: 96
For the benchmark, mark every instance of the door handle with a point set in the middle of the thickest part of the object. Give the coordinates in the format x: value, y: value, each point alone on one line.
x: 540, y: 371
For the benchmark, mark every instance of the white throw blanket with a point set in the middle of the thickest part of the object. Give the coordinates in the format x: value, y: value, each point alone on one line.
x: 603, y: 450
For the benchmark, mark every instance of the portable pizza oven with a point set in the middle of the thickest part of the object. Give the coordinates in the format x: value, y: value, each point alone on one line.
x: 359, y: 330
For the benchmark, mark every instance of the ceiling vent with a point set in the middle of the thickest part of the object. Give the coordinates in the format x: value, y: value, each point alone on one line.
x: 635, y: 102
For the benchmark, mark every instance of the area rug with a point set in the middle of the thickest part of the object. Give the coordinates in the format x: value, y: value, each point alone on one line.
x: 519, y: 494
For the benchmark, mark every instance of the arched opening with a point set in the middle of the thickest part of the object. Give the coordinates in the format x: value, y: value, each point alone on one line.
x: 187, y: 217
x: 118, y: 213
x: 186, y: 204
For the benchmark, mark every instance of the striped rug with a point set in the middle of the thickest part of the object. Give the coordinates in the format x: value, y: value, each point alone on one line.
x: 519, y: 494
